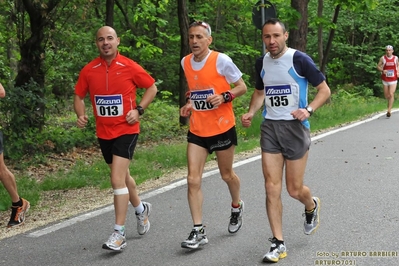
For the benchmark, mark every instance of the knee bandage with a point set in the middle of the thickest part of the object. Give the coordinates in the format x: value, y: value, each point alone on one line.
x: 121, y: 191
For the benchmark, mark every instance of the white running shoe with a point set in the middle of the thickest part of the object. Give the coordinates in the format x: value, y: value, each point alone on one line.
x: 115, y: 242
x: 312, y: 219
x: 236, y: 218
x: 143, y: 224
x: 195, y: 239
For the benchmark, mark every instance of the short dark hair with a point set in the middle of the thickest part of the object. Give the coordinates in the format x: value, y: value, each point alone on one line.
x: 275, y: 21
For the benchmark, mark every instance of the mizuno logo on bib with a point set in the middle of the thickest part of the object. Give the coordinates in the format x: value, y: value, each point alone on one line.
x: 279, y: 96
x: 198, y: 99
x: 109, y: 105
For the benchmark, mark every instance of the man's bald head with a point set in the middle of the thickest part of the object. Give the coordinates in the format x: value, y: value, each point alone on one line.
x: 106, y: 29
x: 107, y: 43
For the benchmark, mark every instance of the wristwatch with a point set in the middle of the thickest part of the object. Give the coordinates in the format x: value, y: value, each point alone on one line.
x: 140, y: 109
x: 309, y: 109
x: 227, y: 97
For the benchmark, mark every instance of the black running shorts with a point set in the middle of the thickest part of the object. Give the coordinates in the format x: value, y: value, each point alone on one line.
x: 122, y: 146
x: 215, y: 143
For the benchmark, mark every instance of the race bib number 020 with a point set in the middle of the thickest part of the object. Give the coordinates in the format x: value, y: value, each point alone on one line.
x: 109, y: 105
x: 198, y: 100
x: 279, y: 96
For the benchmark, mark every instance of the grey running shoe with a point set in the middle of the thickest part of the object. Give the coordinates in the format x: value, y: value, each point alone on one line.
x: 143, y: 224
x: 276, y: 252
x: 312, y: 219
x: 236, y: 218
x: 18, y: 214
x: 195, y: 239
x: 115, y: 242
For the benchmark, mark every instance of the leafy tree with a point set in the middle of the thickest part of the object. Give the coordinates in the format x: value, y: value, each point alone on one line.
x: 45, y: 44
x: 351, y: 5
x: 30, y: 75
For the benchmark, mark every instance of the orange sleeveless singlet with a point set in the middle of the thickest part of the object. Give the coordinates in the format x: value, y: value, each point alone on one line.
x: 206, y: 120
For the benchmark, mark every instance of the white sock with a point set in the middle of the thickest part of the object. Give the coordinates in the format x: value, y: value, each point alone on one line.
x: 139, y: 209
x: 120, y: 229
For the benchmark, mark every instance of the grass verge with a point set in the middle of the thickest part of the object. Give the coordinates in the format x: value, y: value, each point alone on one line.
x: 152, y: 160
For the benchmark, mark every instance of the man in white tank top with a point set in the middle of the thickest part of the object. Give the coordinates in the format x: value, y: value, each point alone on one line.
x: 282, y: 87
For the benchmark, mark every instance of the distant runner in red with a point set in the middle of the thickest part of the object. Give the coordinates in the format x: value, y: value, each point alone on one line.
x: 111, y: 80
x: 388, y: 66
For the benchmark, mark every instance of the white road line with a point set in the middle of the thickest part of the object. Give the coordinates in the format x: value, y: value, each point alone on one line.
x: 83, y: 217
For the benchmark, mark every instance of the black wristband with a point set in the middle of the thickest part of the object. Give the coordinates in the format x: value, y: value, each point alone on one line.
x: 188, y: 96
x: 227, y: 97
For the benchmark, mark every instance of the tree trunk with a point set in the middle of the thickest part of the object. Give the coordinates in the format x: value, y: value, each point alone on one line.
x: 182, y: 14
x: 320, y: 39
x: 125, y: 16
x: 109, y: 13
x: 30, y: 76
x: 320, y: 32
x: 330, y: 39
x: 298, y: 35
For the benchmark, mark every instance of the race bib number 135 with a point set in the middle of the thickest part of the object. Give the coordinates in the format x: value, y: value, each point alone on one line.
x: 109, y: 105
x: 279, y: 96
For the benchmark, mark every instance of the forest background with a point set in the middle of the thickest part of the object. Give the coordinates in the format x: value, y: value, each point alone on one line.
x: 45, y: 43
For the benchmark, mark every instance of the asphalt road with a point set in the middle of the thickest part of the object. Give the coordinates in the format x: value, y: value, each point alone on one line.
x: 354, y: 170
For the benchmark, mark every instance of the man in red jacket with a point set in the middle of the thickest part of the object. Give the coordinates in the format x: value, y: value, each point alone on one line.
x: 111, y: 81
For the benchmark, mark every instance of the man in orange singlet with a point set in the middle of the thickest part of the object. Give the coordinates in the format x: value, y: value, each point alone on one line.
x: 212, y: 125
x: 111, y: 81
x: 389, y: 66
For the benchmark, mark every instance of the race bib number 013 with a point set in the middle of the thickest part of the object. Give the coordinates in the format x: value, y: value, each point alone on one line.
x: 109, y: 105
x: 198, y: 100
x: 279, y: 96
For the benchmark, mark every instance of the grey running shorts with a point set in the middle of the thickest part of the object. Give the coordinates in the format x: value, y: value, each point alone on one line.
x: 288, y: 137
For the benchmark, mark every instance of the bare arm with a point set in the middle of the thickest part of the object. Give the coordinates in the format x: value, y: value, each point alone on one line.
x: 239, y: 88
x: 2, y: 91
x: 380, y: 65
x: 133, y: 116
x: 148, y: 96
x: 323, y: 93
x: 79, y: 106
x: 80, y: 110
x: 257, y: 100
